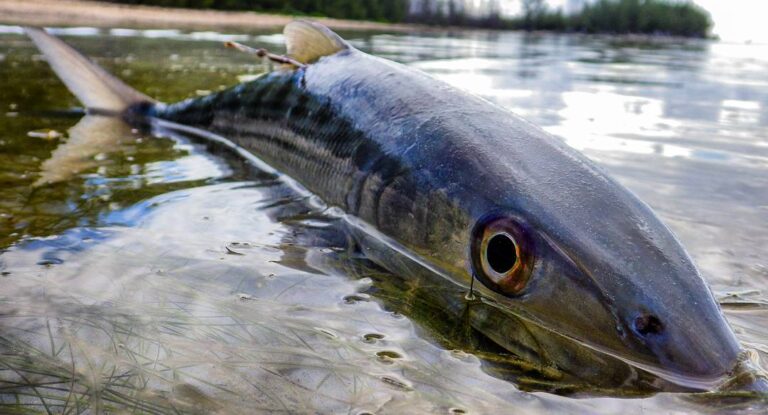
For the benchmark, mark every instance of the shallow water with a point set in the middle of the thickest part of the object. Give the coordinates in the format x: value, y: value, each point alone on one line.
x: 160, y: 274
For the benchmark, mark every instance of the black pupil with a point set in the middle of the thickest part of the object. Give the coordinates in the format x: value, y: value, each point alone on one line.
x: 501, y: 253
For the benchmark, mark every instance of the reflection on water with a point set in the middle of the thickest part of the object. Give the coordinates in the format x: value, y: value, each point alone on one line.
x: 159, y: 274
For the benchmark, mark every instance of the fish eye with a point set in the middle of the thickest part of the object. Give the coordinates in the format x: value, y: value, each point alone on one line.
x: 502, y: 255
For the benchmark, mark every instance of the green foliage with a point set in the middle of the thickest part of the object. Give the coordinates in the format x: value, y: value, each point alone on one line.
x: 628, y: 16
x: 681, y: 18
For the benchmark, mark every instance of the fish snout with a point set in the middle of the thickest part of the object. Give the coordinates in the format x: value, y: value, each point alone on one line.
x: 748, y: 375
x: 695, y: 348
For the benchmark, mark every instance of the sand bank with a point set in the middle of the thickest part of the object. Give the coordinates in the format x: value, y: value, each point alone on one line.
x: 99, y: 14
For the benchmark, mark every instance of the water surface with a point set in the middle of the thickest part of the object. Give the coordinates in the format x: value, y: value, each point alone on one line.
x: 159, y: 274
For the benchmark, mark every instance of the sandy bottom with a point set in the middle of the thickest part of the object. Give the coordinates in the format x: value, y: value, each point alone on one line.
x: 90, y: 13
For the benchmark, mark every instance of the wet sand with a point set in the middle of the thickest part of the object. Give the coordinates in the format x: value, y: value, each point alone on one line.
x: 100, y: 14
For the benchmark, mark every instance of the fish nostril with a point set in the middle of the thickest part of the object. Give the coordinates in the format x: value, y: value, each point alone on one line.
x: 647, y: 324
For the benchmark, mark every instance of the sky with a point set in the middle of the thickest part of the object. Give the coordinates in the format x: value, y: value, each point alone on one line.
x: 738, y: 20
x: 735, y: 20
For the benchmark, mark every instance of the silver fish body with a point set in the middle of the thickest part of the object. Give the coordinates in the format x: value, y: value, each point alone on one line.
x: 424, y: 163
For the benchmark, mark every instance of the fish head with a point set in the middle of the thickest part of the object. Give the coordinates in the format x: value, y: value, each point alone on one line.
x: 555, y: 239
x: 636, y: 300
x: 601, y: 268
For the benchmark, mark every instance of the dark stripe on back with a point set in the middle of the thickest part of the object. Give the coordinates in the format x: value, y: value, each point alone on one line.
x: 334, y: 153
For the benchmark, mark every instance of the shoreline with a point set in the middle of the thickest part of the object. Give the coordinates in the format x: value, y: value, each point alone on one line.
x: 110, y: 15
x: 99, y: 14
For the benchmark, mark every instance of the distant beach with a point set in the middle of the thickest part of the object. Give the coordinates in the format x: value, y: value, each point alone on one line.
x: 100, y: 14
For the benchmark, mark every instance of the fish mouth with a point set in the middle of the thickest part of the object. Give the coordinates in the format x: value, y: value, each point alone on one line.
x: 697, y: 382
x: 694, y: 382
x: 744, y: 375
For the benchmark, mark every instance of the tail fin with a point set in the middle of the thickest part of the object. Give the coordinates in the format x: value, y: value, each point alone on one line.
x: 91, y: 84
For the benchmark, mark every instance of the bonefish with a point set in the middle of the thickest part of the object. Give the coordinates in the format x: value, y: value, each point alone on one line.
x: 470, y: 190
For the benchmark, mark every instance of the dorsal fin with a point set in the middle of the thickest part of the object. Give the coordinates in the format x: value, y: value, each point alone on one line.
x: 309, y: 41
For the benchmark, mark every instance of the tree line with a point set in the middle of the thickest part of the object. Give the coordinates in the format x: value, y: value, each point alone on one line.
x: 620, y: 16
x: 603, y: 16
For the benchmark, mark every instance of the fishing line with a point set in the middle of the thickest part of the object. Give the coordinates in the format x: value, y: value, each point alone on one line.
x: 263, y: 53
x: 471, y: 294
